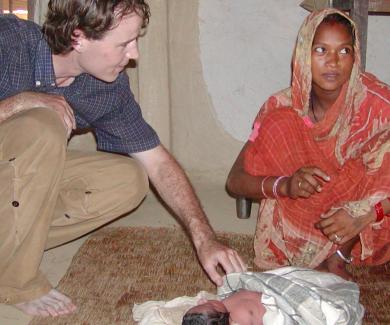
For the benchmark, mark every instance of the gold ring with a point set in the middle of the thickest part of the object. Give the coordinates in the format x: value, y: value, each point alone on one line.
x: 337, y: 238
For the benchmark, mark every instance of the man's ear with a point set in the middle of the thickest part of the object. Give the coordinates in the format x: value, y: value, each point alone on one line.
x: 78, y: 40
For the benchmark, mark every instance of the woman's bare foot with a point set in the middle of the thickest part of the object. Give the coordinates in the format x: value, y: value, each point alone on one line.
x: 323, y: 267
x: 336, y: 265
x: 52, y: 304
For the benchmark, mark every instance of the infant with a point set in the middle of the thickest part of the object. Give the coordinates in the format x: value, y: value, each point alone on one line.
x: 283, y: 296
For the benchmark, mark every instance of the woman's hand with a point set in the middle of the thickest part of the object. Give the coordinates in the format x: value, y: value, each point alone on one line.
x: 304, y: 183
x: 340, y: 227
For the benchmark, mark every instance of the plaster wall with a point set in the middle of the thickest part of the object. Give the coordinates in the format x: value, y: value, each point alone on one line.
x: 226, y: 58
x: 249, y: 46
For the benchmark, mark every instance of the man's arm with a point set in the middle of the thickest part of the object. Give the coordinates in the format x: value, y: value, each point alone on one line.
x: 27, y: 100
x: 175, y: 189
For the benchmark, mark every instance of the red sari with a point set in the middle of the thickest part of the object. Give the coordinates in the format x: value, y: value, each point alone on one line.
x: 351, y: 144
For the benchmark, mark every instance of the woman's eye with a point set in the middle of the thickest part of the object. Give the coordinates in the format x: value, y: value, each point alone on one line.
x: 345, y: 50
x: 319, y: 49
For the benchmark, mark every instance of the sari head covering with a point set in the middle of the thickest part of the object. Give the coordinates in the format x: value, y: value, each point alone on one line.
x: 351, y: 144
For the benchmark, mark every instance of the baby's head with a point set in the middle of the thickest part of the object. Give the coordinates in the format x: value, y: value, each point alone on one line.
x: 243, y: 307
x: 207, y: 312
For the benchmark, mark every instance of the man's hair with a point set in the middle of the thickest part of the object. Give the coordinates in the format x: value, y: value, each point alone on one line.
x: 339, y: 19
x: 93, y: 17
x: 207, y: 318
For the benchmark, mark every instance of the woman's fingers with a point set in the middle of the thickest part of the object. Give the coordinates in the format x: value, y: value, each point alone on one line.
x: 338, y: 226
x: 333, y: 231
x: 320, y: 173
x: 308, y: 182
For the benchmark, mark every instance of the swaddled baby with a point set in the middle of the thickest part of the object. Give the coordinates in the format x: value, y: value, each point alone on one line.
x: 283, y: 296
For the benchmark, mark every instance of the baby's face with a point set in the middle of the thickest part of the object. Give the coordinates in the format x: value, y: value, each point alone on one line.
x: 245, y: 308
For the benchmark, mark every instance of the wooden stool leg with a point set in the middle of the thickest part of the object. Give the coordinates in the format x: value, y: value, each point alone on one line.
x: 243, y: 207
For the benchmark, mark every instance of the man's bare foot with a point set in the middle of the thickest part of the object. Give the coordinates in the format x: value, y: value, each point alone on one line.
x: 52, y: 304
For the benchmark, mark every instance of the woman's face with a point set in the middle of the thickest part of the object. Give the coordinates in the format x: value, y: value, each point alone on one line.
x: 332, y: 58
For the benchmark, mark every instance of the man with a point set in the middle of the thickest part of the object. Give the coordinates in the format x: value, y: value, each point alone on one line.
x: 72, y: 77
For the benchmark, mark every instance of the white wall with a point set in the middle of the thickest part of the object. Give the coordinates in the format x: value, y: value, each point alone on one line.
x: 246, y: 49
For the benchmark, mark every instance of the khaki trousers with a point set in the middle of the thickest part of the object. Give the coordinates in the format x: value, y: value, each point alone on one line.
x: 49, y: 196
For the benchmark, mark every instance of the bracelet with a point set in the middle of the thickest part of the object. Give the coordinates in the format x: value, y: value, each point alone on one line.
x: 380, y: 214
x: 347, y: 260
x: 275, y: 186
x: 262, y: 187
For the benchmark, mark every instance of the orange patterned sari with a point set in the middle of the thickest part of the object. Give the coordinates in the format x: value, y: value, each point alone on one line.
x: 351, y: 144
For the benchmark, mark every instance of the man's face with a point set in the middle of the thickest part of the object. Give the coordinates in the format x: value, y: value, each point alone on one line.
x: 106, y: 58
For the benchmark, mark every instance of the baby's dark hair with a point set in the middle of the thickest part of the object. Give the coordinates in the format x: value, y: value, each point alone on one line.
x: 339, y: 19
x: 206, y: 318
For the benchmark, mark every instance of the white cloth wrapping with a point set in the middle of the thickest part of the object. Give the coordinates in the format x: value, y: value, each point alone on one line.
x: 167, y: 313
x: 294, y: 295
x: 291, y: 296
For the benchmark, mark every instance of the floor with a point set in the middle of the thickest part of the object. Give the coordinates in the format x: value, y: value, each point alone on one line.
x: 219, y: 207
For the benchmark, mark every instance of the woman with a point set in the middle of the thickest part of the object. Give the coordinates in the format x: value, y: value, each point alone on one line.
x: 319, y: 156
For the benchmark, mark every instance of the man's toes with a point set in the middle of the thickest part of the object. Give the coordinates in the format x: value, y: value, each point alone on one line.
x: 54, y: 308
x: 64, y: 301
x: 52, y: 304
x: 72, y: 307
x: 56, y: 302
x: 59, y: 296
x: 51, y: 310
x: 42, y: 312
x: 66, y: 308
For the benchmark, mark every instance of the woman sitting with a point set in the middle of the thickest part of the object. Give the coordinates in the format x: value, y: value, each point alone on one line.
x: 318, y: 157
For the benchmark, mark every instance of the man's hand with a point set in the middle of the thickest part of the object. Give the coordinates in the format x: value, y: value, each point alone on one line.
x: 340, y: 227
x: 175, y: 189
x: 29, y: 100
x: 212, y: 253
x: 62, y: 108
x: 56, y: 103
